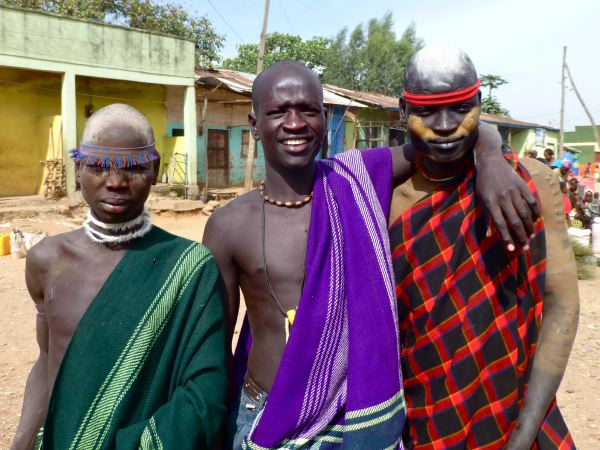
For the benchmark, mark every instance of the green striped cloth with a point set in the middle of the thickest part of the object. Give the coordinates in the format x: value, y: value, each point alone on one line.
x: 146, y: 365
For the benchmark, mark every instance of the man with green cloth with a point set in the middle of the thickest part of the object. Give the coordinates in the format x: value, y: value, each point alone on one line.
x: 129, y: 317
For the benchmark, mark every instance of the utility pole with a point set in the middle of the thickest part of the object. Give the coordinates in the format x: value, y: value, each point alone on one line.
x: 263, y: 38
x: 562, y: 104
x: 587, y: 111
x: 259, y: 68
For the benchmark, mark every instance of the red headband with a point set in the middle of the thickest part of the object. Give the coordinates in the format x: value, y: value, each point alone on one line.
x: 445, y: 98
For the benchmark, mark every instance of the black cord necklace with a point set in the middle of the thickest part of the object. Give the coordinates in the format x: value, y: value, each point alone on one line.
x: 290, y: 314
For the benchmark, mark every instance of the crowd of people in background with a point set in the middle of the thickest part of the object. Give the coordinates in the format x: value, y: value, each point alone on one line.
x: 580, y: 196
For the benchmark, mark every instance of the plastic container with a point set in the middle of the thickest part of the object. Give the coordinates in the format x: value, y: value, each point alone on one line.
x: 4, y: 244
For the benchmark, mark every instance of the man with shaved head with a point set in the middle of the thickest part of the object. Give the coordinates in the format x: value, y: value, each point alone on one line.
x: 485, y: 332
x: 129, y: 317
x: 310, y: 251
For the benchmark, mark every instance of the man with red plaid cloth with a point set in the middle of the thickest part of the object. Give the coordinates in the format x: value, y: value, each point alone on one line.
x: 471, y: 309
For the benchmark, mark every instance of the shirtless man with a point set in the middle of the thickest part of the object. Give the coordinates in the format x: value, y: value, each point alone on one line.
x: 129, y: 319
x: 278, y: 227
x: 469, y: 311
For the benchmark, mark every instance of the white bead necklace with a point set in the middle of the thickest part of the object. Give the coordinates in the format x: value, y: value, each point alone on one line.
x: 117, y: 233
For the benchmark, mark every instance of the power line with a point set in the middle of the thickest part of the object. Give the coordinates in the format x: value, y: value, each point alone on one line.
x: 572, y: 119
x: 539, y: 117
x: 338, y: 11
x: 226, y: 23
x: 327, y: 19
x: 250, y: 4
x: 286, y: 16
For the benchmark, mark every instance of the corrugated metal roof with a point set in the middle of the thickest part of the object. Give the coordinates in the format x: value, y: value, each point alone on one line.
x: 331, y: 98
x: 241, y: 82
x: 379, y: 100
x: 236, y: 81
x: 507, y: 121
x: 333, y: 95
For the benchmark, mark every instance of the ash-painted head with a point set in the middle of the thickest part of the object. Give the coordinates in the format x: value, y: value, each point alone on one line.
x: 441, y: 101
x: 288, y: 116
x: 438, y: 69
x: 117, y: 136
x: 117, y: 162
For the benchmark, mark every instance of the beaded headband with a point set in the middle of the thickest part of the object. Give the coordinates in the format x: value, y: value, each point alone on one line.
x: 444, y: 98
x: 95, y: 155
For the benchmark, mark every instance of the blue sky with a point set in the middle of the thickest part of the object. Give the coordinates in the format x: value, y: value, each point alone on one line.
x: 520, y: 40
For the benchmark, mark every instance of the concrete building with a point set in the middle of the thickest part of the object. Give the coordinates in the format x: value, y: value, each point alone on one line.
x: 55, y: 71
x: 355, y: 120
x: 524, y: 136
x: 583, y: 140
x: 375, y: 125
x: 224, y: 150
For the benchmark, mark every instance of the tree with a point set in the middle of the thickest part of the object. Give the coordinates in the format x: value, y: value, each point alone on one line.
x: 148, y: 15
x: 370, y: 58
x: 279, y: 47
x: 490, y: 104
x: 345, y: 67
x: 372, y: 61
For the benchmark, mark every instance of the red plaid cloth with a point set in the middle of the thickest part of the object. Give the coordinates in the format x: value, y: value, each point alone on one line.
x: 469, y: 317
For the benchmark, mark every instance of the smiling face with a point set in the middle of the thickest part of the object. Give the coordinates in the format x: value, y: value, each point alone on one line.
x: 117, y: 195
x: 288, y: 118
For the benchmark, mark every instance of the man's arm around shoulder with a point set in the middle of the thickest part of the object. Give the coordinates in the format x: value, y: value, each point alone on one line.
x: 511, y: 206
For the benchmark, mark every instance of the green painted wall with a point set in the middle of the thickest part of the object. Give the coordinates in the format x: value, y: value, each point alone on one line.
x: 552, y: 139
x: 581, y: 134
x: 73, y: 50
x: 583, y: 139
x: 587, y: 153
x: 520, y: 139
x: 371, y: 117
x: 349, y: 134
x: 30, y: 118
x: 523, y: 139
x: 42, y: 36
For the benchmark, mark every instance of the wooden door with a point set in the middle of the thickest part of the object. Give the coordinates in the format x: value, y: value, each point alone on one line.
x: 218, y: 158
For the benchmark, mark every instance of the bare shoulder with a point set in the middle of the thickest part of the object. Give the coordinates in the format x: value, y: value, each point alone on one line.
x: 50, y: 252
x: 228, y: 223
x: 51, y: 247
x: 234, y: 211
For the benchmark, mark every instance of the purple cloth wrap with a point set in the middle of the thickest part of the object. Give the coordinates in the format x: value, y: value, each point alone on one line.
x: 339, y: 381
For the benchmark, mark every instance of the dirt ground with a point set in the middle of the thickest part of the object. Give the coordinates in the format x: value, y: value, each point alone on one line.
x: 579, y: 394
